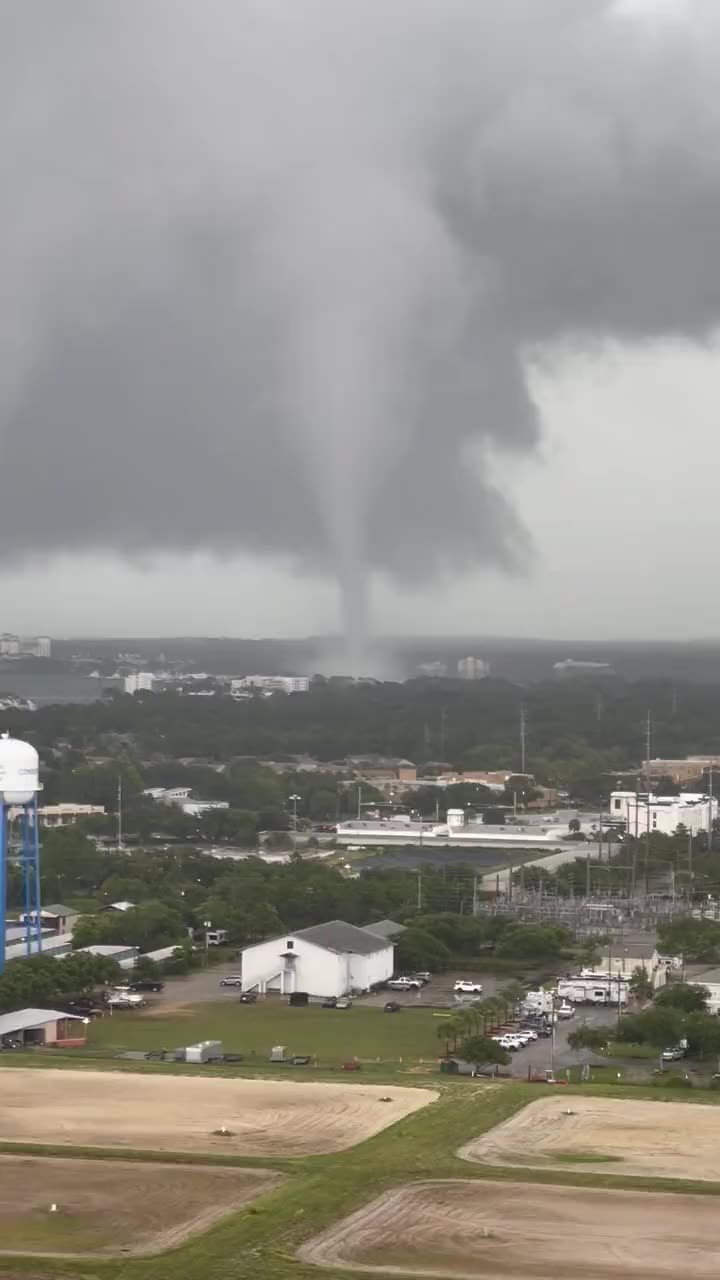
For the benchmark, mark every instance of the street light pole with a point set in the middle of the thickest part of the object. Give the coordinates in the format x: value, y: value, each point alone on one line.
x: 207, y: 924
x: 295, y: 799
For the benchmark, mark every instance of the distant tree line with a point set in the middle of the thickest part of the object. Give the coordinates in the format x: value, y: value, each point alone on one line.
x: 577, y: 735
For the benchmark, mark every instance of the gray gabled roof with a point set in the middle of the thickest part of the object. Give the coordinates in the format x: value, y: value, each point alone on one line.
x: 386, y: 928
x: 337, y: 935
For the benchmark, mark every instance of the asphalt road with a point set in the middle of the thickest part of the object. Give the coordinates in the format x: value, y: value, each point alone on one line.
x: 195, y: 988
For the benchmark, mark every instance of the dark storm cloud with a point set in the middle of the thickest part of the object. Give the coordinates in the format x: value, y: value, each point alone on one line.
x: 272, y: 272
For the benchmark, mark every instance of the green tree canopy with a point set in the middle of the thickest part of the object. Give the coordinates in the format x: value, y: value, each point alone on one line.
x: 481, y: 1051
x: 686, y: 996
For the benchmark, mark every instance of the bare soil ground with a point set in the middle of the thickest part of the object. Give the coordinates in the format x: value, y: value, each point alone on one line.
x: 610, y: 1135
x: 500, y: 1231
x: 171, y: 1113
x: 114, y: 1206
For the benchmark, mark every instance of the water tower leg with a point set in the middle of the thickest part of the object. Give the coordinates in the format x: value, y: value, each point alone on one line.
x: 36, y: 867
x: 27, y: 878
x: 3, y: 888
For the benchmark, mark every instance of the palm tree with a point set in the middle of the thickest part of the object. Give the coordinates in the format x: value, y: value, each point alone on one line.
x: 491, y: 1008
x: 451, y: 1030
x: 510, y: 995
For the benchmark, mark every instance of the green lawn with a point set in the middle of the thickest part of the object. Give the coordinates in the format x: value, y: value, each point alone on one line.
x: 625, y: 1049
x: 330, y: 1035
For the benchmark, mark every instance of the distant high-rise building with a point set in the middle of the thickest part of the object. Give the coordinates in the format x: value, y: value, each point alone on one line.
x: 473, y: 669
x: 33, y: 646
x: 139, y: 681
x: 435, y: 670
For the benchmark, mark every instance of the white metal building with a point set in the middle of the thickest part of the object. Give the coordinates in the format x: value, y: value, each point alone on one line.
x: 56, y: 945
x: 125, y: 956
x: 628, y: 955
x: 196, y: 808
x: 325, y: 960
x: 270, y: 684
x: 64, y: 815
x: 454, y: 833
x: 42, y: 1026
x: 642, y: 813
x: 711, y: 981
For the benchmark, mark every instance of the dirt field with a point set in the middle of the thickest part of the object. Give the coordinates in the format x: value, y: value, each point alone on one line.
x: 114, y: 1206
x: 618, y: 1135
x: 500, y: 1231
x: 172, y: 1113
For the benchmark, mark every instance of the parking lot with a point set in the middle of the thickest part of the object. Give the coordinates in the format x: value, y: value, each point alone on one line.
x: 537, y: 1057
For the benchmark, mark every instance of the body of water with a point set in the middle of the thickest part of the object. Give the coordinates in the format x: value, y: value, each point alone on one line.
x: 57, y: 686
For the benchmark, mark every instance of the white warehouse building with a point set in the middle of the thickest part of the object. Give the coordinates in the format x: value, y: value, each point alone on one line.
x: 325, y: 960
x: 642, y: 813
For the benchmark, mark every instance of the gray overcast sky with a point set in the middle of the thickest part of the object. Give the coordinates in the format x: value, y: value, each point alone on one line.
x: 414, y: 301
x: 621, y: 529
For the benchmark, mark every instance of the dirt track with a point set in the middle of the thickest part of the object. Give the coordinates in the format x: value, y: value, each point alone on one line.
x: 108, y: 1206
x: 172, y: 1113
x: 648, y: 1139
x: 518, y: 1231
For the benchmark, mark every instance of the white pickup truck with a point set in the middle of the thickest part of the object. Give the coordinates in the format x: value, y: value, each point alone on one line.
x: 125, y: 1000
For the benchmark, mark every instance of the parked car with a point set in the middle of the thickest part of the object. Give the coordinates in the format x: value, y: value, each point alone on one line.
x: 673, y: 1054
x: 392, y: 1006
x: 529, y: 1032
x: 147, y: 984
x: 405, y: 984
x: 343, y: 1003
x: 424, y: 976
x: 511, y: 1043
x: 231, y: 980
x: 566, y: 1011
x: 464, y: 986
x: 248, y: 997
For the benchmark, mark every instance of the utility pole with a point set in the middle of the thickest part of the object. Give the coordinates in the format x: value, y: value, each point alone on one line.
x: 647, y: 783
x: 119, y: 814
x: 294, y: 830
x: 419, y: 889
x: 523, y: 735
x: 710, y: 808
x: 359, y: 814
x: 475, y: 895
